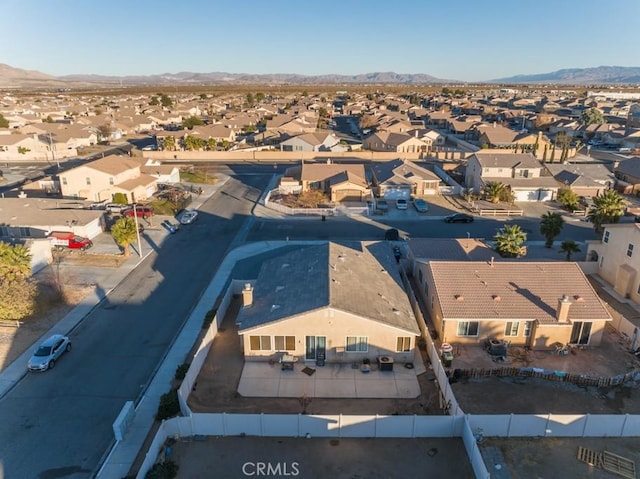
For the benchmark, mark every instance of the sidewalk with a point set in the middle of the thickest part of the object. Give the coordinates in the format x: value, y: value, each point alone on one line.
x: 105, y: 283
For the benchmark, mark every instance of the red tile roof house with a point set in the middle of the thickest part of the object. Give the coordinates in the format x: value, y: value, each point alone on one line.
x: 532, y: 304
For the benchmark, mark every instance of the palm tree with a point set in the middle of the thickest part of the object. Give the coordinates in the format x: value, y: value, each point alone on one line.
x: 493, y: 190
x: 607, y: 208
x: 124, y: 233
x: 509, y: 241
x: 569, y: 247
x: 15, y: 262
x: 550, y: 226
x: 169, y: 143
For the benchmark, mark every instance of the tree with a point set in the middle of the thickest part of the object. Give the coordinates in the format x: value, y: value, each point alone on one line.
x: 23, y: 150
x: 192, y: 143
x: 125, y: 232
x: 104, y: 131
x: 607, y: 208
x: 212, y: 144
x: 259, y: 97
x: 249, y: 99
x: 592, y: 116
x: 192, y: 121
x: 120, y: 198
x: 305, y: 93
x: 203, y: 96
x: 169, y: 143
x: 493, y: 190
x: 509, y: 241
x: 569, y: 247
x: 154, y: 101
x: 4, y: 123
x: 322, y: 112
x: 550, y: 227
x: 568, y: 198
x: 165, y: 101
x: 48, y: 119
x: 17, y: 293
x: 15, y: 263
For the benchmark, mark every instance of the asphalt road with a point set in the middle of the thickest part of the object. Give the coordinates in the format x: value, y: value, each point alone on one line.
x: 344, y: 228
x: 58, y: 424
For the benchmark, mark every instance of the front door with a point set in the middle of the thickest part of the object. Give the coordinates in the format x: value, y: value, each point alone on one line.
x: 580, y: 333
x: 315, y: 345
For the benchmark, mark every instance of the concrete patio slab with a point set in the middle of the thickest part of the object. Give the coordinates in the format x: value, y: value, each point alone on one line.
x: 258, y: 387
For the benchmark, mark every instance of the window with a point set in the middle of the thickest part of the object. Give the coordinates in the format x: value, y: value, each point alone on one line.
x: 357, y: 344
x: 605, y: 239
x: 630, y: 250
x: 260, y: 343
x: 25, y: 232
x: 420, y: 276
x: 601, y: 261
x: 88, y: 180
x: 468, y: 328
x: 528, y: 325
x: 284, y: 343
x: 403, y: 345
x: 4, y: 231
x: 512, y: 328
x: 64, y: 180
x: 111, y: 180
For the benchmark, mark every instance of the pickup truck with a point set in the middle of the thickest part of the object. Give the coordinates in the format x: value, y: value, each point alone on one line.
x: 67, y: 239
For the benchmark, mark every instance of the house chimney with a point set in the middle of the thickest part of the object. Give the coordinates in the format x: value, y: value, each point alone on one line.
x: 562, y: 313
x: 247, y: 295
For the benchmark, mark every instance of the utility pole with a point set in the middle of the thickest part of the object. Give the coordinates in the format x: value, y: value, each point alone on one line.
x: 135, y: 218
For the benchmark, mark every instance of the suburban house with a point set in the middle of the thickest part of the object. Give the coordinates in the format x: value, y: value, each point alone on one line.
x: 396, y: 142
x: 162, y: 173
x: 317, y: 141
x: 496, y: 136
x: 530, y: 304
x: 584, y: 179
x: 398, y: 179
x: 22, y: 218
x: 520, y: 171
x: 340, y: 182
x: 22, y: 147
x: 313, y: 303
x: 619, y: 259
x: 627, y: 173
x: 101, y: 179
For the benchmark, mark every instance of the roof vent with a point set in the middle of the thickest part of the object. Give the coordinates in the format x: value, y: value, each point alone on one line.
x: 279, y: 288
x: 578, y: 298
x: 496, y: 297
x: 341, y: 257
x: 274, y: 307
x: 284, y: 265
x: 459, y: 297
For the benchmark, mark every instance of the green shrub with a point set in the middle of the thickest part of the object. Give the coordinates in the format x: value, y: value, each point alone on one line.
x: 169, y: 405
x: 163, y: 470
x: 181, y: 371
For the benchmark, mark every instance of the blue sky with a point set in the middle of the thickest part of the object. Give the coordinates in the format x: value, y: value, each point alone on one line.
x: 462, y: 40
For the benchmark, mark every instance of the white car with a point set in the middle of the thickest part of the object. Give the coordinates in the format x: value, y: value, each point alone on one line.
x: 402, y: 204
x: 49, y: 352
x: 188, y: 217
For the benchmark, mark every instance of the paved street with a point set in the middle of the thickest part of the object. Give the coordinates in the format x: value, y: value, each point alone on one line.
x: 58, y: 424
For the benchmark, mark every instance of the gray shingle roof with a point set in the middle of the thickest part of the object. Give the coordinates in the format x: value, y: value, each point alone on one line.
x: 358, y: 278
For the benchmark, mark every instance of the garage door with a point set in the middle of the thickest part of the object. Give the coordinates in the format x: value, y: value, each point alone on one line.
x: 397, y: 192
x: 546, y: 195
x: 348, y: 195
x: 93, y: 229
x: 526, y: 195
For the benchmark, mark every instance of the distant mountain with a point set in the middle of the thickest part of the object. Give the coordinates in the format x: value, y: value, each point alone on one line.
x: 11, y: 77
x: 248, y: 78
x: 580, y: 76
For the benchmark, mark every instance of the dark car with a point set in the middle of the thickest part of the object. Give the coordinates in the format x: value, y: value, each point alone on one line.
x: 458, y: 218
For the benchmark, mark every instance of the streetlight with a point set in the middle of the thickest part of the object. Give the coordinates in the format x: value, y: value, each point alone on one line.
x: 53, y: 153
x: 135, y: 218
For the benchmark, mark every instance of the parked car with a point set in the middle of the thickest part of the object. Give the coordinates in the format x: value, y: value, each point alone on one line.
x: 401, y: 204
x: 114, y: 207
x: 49, y: 352
x: 140, y: 211
x: 68, y: 239
x: 188, y: 216
x: 420, y: 205
x: 458, y: 218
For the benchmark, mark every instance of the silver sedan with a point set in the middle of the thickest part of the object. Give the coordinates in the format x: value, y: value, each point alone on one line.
x: 49, y: 352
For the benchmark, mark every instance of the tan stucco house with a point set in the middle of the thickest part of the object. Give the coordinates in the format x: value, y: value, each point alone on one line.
x: 333, y: 302
x: 618, y: 257
x: 536, y: 304
x: 339, y: 181
x: 99, y: 180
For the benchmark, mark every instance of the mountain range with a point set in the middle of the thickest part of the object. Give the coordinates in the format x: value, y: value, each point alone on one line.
x: 11, y: 77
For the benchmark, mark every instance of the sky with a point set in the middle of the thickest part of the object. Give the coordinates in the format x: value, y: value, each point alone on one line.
x: 466, y: 40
